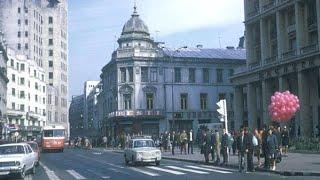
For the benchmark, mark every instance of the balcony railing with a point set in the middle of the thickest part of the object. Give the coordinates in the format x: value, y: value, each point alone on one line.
x: 283, y: 1
x: 134, y: 113
x: 291, y: 28
x: 268, y: 5
x: 309, y: 49
x: 255, y: 65
x: 271, y: 59
x: 289, y: 54
x: 254, y: 12
x: 312, y: 23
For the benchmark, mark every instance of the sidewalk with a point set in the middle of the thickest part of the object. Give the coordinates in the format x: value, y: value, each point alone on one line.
x: 296, y: 164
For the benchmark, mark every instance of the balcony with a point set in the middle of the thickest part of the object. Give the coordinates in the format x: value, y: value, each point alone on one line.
x: 269, y: 5
x: 136, y: 113
x: 270, y: 60
x: 309, y: 49
x: 289, y: 54
x: 291, y: 28
x: 254, y: 12
x: 255, y: 65
x: 312, y: 23
x: 283, y: 1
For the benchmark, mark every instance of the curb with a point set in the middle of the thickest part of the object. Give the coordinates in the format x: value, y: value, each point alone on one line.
x: 283, y: 173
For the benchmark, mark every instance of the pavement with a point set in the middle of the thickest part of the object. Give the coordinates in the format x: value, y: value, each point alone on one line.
x: 107, y: 164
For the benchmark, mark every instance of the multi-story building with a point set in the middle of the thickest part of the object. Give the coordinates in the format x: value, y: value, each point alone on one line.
x: 89, y: 86
x: 92, y: 108
x: 26, y: 102
x: 282, y: 43
x: 38, y: 30
x: 151, y: 90
x: 76, y: 112
x: 3, y: 85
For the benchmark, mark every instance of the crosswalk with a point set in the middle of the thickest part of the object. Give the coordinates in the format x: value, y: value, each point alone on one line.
x: 152, y: 171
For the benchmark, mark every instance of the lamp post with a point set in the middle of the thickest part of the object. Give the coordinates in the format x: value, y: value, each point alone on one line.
x: 171, y: 56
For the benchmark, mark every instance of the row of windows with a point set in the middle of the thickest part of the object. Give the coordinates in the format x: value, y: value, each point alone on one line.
x: 205, y: 75
x: 37, y: 38
x: 26, y: 34
x: 21, y: 107
x: 26, y: 22
x: 26, y: 46
x: 22, y: 95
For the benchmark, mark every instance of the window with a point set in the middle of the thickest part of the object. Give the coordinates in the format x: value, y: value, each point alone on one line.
x: 34, y: 73
x: 205, y: 74
x: 26, y: 10
x: 50, y: 31
x: 26, y: 22
x: 21, y: 107
x: 19, y: 10
x: 12, y: 63
x: 26, y: 33
x: 203, y: 101
x: 43, y: 89
x: 153, y: 74
x: 292, y: 43
x: 19, y: 22
x: 130, y: 71
x: 219, y: 75
x: 149, y: 101
x: 22, y: 67
x: 19, y: 46
x: 42, y: 77
x: 22, y: 95
x: 50, y: 75
x: 50, y: 42
x: 123, y: 75
x: 192, y: 75
x: 50, y: 52
x: 127, y: 101
x: 26, y: 46
x: 50, y: 63
x: 19, y: 34
x: 22, y: 81
x: 231, y: 71
x: 36, y: 98
x: 144, y: 74
x: 50, y: 20
x: 44, y: 100
x: 13, y: 78
x: 49, y: 99
x: 13, y: 106
x: 36, y: 86
x: 177, y: 75
x: 183, y: 101
x: 13, y: 92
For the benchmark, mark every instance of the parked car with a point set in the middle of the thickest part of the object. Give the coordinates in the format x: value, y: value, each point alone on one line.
x: 142, y: 150
x: 17, y: 158
x: 35, y: 147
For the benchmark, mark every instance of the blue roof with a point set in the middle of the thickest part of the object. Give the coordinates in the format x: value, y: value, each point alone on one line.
x: 236, y: 54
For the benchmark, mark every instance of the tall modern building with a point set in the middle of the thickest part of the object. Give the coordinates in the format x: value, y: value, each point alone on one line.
x: 151, y: 90
x: 282, y: 43
x: 89, y: 87
x: 38, y: 30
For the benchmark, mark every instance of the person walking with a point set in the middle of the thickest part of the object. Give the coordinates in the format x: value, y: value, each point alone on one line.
x: 224, y: 146
x: 257, y: 148
x: 234, y: 143
x: 217, y: 146
x: 272, y: 145
x: 277, y: 133
x: 249, y: 149
x: 190, y: 142
x: 183, y: 140
x: 285, y: 140
x: 173, y: 142
x: 265, y: 148
x: 241, y: 146
x: 213, y: 145
x: 206, y: 146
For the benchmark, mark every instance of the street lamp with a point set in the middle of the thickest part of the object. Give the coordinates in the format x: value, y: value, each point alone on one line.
x: 171, y: 56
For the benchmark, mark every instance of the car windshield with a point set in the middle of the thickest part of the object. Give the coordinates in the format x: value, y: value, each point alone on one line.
x: 143, y: 143
x: 33, y: 146
x: 11, y: 150
x: 53, y: 133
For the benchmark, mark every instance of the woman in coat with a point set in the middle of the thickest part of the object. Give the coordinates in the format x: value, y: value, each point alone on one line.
x: 272, y: 148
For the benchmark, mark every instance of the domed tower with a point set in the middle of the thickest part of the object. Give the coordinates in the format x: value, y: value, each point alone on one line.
x: 135, y: 40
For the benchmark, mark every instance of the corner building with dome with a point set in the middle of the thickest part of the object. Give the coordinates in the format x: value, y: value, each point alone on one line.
x: 147, y: 89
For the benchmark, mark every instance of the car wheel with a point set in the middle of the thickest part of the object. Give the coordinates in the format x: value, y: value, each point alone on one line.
x: 157, y: 163
x: 33, y: 170
x: 22, y: 174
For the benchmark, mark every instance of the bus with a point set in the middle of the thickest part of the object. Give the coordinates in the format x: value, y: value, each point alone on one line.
x: 53, y: 138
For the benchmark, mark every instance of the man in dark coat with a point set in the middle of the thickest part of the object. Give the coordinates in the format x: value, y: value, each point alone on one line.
x: 241, y: 146
x: 213, y: 144
x: 173, y: 141
x: 249, y: 149
x: 265, y: 148
x: 224, y: 147
x: 206, y: 146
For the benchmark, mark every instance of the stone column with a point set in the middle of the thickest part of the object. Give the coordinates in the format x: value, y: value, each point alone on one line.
x: 280, y: 33
x: 303, y: 91
x: 252, y: 106
x: 318, y: 19
x: 248, y: 41
x: 283, y: 84
x: 266, y: 94
x: 238, y: 107
x: 300, y: 34
x: 264, y: 28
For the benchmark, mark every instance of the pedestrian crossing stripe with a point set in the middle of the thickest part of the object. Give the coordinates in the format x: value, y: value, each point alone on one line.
x: 188, y: 170
x: 144, y: 172
x: 219, y: 168
x: 209, y: 169
x: 166, y: 170
x: 75, y: 174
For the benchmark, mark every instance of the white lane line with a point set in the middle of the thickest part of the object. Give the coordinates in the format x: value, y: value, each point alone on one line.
x: 165, y: 170
x: 75, y: 174
x: 144, y: 172
x: 50, y: 173
x: 209, y: 169
x: 219, y: 168
x: 188, y: 170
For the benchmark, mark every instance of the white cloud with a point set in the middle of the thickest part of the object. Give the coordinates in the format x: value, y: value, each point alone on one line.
x: 172, y: 16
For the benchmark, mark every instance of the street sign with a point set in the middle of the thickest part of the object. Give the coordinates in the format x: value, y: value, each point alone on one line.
x: 16, y: 134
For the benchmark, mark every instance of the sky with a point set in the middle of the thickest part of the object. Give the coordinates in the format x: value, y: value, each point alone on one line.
x: 95, y: 25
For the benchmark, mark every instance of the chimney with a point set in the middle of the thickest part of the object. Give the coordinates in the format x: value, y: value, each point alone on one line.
x: 199, y: 46
x: 241, y: 43
x: 230, y: 47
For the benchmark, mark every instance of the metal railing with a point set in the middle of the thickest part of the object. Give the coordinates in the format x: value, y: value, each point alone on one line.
x: 255, y: 64
x: 291, y: 28
x: 289, y: 54
x: 268, y: 5
x: 254, y: 12
x: 309, y: 48
x: 132, y: 113
x: 270, y: 60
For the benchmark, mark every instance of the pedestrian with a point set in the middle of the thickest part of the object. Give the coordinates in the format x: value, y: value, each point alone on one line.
x: 272, y: 145
x: 234, y: 143
x: 224, y: 146
x: 277, y: 133
x: 190, y: 142
x: 265, y: 148
x: 183, y: 140
x: 257, y: 148
x: 173, y: 142
x: 105, y: 141
x: 285, y: 140
x: 241, y: 146
x: 169, y: 142
x: 217, y: 146
x: 249, y: 149
x: 206, y: 146
x: 213, y: 145
x: 161, y: 142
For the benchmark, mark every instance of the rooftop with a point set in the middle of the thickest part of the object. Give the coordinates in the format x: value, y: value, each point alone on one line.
x: 206, y: 53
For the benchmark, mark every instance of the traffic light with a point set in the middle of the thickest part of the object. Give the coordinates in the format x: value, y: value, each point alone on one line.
x: 222, y: 109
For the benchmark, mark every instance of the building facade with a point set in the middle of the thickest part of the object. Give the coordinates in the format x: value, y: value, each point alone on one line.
x: 3, y: 86
x: 147, y: 89
x: 89, y: 87
x: 92, y: 108
x: 76, y: 112
x: 282, y: 43
x: 38, y: 30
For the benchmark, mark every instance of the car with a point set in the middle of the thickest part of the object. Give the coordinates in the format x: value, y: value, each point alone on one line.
x: 142, y: 150
x: 17, y: 158
x: 35, y: 147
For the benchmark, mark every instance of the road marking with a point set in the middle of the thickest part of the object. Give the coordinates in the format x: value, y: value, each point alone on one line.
x: 110, y: 164
x: 50, y: 173
x: 219, y: 168
x: 97, y: 153
x: 75, y: 174
x: 209, y: 169
x: 105, y: 177
x: 144, y: 172
x: 165, y: 170
x: 188, y: 170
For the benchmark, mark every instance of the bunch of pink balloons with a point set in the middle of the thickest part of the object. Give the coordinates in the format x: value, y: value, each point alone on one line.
x: 283, y: 106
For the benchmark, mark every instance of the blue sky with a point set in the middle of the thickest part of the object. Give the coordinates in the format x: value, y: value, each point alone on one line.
x: 95, y: 25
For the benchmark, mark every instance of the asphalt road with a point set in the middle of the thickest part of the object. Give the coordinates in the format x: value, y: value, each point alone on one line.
x: 94, y: 164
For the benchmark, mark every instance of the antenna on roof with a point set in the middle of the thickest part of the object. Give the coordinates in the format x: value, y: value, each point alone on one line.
x: 219, y: 37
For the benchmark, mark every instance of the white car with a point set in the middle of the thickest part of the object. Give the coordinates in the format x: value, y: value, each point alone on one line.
x: 142, y: 150
x: 17, y: 158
